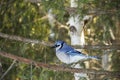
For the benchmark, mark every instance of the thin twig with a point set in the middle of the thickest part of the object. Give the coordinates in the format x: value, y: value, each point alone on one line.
x: 60, y: 68
x: 31, y: 71
x: 14, y: 61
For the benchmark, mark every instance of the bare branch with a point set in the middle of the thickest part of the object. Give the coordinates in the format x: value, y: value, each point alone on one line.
x: 60, y: 68
x: 93, y: 11
x: 113, y: 47
x: 1, y: 69
x: 14, y: 61
x: 34, y: 1
x: 22, y: 39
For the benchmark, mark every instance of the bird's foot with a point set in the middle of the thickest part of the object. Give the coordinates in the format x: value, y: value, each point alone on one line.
x: 65, y: 65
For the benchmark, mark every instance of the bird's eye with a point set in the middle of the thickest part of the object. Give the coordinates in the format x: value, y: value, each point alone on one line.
x: 57, y: 45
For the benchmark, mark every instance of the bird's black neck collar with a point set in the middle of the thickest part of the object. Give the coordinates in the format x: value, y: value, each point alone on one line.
x: 62, y: 45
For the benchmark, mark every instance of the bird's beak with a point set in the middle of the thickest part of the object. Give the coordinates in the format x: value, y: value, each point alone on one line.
x: 54, y: 46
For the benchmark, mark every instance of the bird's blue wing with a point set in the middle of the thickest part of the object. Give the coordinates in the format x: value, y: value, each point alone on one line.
x: 70, y: 50
x: 74, y: 52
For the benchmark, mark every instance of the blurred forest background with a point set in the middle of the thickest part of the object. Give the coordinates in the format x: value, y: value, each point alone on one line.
x: 28, y: 18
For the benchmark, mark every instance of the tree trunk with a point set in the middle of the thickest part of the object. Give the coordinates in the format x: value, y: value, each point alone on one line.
x: 77, y: 36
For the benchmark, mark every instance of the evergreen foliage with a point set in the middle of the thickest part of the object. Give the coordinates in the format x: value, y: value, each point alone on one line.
x: 25, y: 18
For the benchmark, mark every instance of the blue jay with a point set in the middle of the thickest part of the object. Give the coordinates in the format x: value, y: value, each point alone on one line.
x: 68, y: 54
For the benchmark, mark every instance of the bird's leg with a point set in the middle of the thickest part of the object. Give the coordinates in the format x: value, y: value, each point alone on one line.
x: 74, y: 64
x: 62, y: 64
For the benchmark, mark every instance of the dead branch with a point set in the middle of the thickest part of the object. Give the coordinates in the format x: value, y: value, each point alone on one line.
x: 11, y: 66
x: 22, y: 39
x: 92, y: 12
x: 34, y: 1
x: 104, y: 47
x: 59, y: 68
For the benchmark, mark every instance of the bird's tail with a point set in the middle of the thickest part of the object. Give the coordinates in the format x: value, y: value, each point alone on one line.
x: 94, y: 57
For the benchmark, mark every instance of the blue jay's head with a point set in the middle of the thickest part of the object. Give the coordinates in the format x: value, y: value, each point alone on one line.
x: 58, y: 44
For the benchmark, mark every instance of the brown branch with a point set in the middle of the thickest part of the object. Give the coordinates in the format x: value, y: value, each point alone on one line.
x: 59, y: 68
x: 22, y: 39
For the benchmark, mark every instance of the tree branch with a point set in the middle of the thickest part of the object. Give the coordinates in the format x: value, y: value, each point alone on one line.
x: 113, y: 47
x: 22, y: 39
x: 34, y: 1
x: 93, y: 11
x: 8, y: 69
x: 59, y: 68
x: 74, y: 10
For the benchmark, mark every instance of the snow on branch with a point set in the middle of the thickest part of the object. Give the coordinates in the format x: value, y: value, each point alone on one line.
x: 60, y: 68
x: 26, y: 40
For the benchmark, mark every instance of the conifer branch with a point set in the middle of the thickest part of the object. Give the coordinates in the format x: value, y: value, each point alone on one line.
x: 26, y: 40
x: 60, y: 68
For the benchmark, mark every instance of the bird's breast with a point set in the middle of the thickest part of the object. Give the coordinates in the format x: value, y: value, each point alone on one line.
x: 63, y: 57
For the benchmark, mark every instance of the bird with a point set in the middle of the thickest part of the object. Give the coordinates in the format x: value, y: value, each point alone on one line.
x: 68, y: 55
